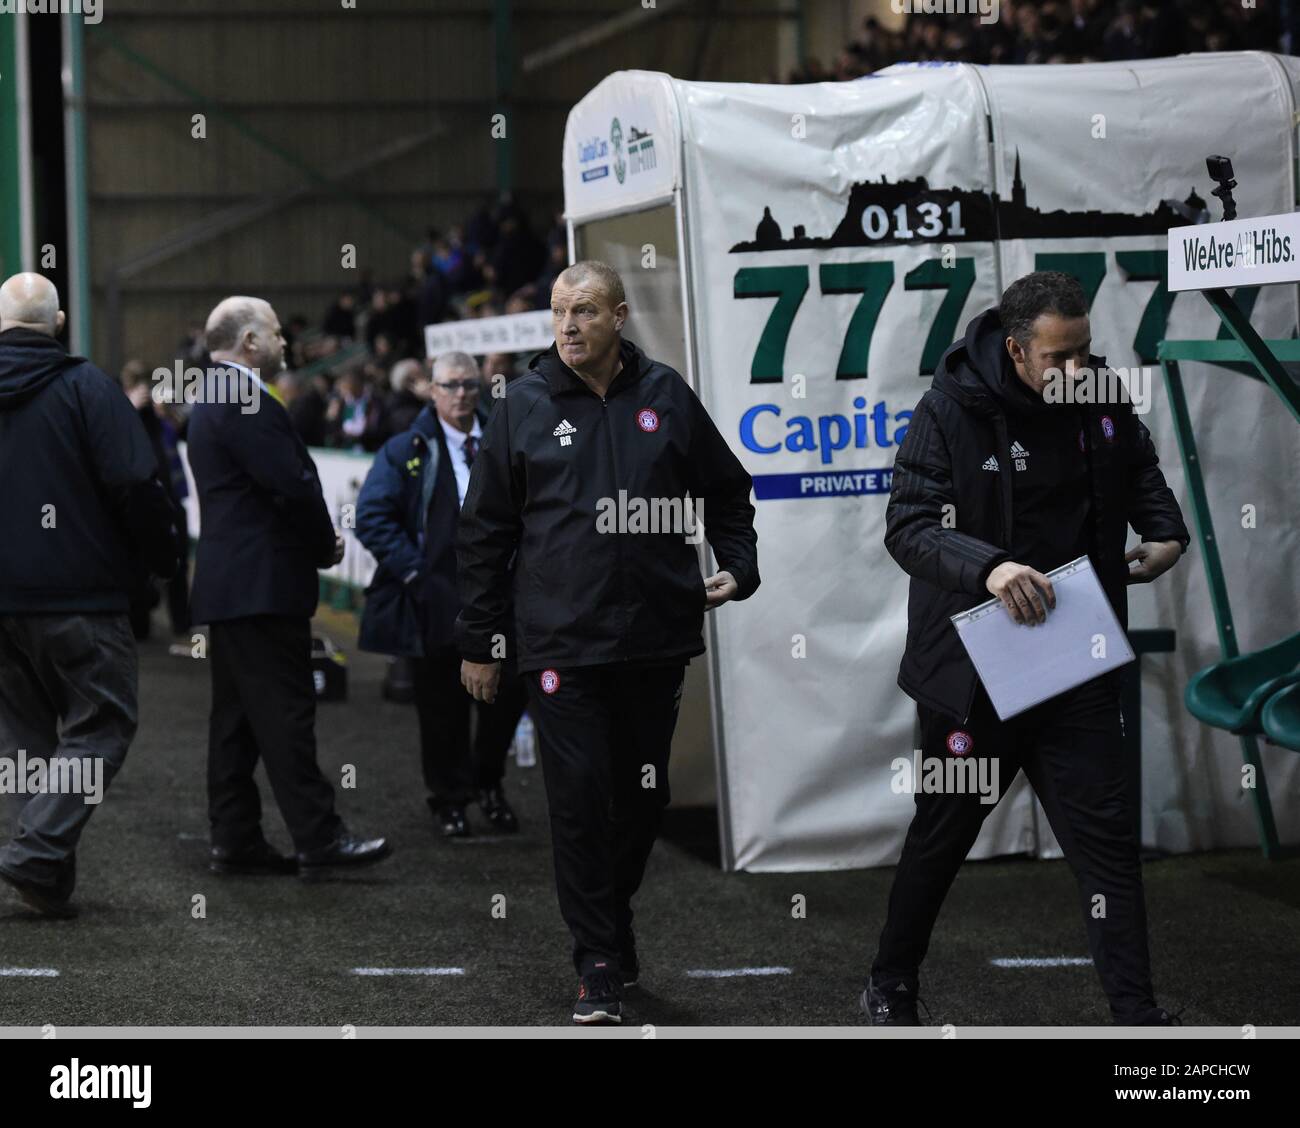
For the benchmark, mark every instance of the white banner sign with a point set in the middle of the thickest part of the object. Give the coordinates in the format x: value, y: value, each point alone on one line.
x: 1238, y: 252
x: 511, y: 333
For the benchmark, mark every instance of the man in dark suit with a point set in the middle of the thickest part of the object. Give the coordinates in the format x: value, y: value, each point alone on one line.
x: 264, y: 530
x: 407, y: 516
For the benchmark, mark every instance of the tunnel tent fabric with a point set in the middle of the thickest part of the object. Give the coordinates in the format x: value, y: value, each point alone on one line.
x: 835, y: 238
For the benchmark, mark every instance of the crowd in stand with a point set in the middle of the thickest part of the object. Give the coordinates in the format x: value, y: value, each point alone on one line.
x: 360, y: 375
x: 1057, y: 31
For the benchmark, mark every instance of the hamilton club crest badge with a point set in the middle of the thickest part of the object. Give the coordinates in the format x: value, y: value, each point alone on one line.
x: 959, y: 743
x: 647, y: 419
x: 549, y: 681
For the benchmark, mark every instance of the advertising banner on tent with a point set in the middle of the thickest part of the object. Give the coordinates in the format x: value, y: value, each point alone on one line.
x: 839, y: 244
x: 839, y: 236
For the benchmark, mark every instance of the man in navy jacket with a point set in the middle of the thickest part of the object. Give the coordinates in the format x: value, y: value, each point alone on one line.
x: 408, y: 513
x: 264, y: 531
x: 84, y: 522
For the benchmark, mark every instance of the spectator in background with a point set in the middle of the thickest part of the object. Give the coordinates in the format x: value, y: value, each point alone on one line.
x: 381, y: 318
x: 451, y: 261
x: 305, y: 405
x: 430, y: 297
x: 408, y: 513
x: 163, y: 440
x: 1124, y: 36
x: 496, y: 365
x: 518, y: 257
x: 481, y: 230
x: 354, y: 414
x: 192, y: 350
x: 293, y: 340
x: 1081, y: 34
x: 557, y: 258
x: 341, y: 318
x: 409, y: 397
x: 406, y: 333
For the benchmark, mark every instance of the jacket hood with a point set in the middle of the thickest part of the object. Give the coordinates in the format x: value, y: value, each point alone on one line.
x: 977, y: 371
x: 28, y: 361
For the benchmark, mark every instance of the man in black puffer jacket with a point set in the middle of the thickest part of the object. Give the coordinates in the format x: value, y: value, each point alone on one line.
x: 84, y: 517
x: 995, y: 484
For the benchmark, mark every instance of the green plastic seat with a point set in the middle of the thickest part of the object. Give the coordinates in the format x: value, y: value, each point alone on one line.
x: 1230, y: 695
x: 1281, y: 718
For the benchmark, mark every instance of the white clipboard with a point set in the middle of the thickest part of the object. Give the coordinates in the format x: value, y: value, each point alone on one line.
x: 1022, y: 666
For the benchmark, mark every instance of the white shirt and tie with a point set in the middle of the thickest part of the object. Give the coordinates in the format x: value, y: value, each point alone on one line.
x: 461, y: 460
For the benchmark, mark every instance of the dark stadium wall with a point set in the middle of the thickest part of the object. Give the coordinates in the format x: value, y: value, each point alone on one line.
x: 297, y: 93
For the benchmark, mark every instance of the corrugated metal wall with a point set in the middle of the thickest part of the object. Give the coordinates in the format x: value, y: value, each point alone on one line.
x: 297, y: 90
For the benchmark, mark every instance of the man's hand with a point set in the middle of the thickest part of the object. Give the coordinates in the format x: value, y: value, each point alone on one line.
x: 481, y: 679
x: 1016, y: 585
x: 719, y: 588
x: 1154, y: 558
x: 338, y: 548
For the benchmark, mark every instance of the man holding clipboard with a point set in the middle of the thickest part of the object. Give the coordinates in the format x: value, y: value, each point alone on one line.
x: 1007, y: 471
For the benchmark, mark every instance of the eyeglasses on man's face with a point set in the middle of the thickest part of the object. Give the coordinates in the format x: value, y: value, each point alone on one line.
x: 454, y: 386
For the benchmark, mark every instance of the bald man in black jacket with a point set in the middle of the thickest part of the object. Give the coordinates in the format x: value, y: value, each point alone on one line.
x: 84, y: 521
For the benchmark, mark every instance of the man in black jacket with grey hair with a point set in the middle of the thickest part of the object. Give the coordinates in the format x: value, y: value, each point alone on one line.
x: 995, y: 485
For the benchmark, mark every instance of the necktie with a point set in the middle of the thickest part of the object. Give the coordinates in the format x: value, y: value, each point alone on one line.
x: 471, y: 449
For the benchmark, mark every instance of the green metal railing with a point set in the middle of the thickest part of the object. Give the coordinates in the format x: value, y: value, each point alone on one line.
x: 1244, y: 352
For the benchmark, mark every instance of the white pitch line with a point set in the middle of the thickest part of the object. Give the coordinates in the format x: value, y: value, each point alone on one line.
x: 408, y: 971
x: 1041, y: 961
x: 29, y: 972
x: 733, y: 972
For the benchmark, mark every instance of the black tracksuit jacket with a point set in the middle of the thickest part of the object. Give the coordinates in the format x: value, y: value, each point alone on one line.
x: 958, y: 424
x: 529, y: 526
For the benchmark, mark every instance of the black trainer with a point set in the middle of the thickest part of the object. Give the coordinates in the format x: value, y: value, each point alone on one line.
x: 258, y: 858
x: 892, y: 1004
x: 1156, y: 1016
x: 47, y: 900
x: 600, y: 998
x: 451, y: 819
x: 497, y: 811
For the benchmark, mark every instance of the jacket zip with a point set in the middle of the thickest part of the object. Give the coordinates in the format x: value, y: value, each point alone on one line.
x: 1002, y: 443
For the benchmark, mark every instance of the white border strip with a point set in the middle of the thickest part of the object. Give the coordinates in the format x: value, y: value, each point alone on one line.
x: 408, y: 971
x: 734, y: 972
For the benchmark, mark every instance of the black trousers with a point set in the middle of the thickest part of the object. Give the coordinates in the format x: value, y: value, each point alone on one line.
x: 1072, y: 750
x: 453, y: 771
x: 264, y: 704
x: 604, y: 734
